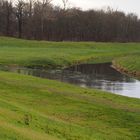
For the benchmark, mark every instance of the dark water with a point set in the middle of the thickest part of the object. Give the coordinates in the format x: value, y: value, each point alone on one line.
x: 100, y: 76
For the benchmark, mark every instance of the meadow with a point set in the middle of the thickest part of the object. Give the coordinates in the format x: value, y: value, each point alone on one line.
x: 32, y: 108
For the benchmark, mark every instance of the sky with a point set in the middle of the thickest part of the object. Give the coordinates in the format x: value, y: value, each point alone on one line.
x: 128, y: 6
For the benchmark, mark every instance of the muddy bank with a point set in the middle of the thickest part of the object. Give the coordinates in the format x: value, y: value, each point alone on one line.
x: 121, y: 69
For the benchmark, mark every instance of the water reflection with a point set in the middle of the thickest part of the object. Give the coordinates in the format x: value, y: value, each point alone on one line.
x: 100, y: 76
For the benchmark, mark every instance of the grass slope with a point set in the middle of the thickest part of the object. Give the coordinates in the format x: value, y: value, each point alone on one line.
x: 40, y: 109
x: 34, y: 108
x: 52, y: 54
x: 129, y: 64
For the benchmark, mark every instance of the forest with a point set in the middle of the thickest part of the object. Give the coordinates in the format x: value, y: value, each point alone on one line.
x: 41, y: 20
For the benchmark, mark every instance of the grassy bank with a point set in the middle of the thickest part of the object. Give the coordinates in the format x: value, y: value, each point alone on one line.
x: 39, y: 109
x: 129, y: 64
x: 60, y: 54
x: 33, y: 108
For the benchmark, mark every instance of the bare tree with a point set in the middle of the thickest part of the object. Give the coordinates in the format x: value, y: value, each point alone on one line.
x: 30, y: 8
x: 19, y: 13
x: 43, y: 11
x: 65, y: 4
x: 8, y: 12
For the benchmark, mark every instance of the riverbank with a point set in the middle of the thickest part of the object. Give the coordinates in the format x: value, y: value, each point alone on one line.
x: 61, y: 54
x: 129, y: 65
x: 54, y: 110
x: 38, y: 109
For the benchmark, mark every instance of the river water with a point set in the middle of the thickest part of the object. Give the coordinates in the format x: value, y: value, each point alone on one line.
x: 99, y: 76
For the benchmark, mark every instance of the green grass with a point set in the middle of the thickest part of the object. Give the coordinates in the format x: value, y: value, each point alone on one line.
x: 39, y: 109
x: 52, y: 54
x: 32, y: 107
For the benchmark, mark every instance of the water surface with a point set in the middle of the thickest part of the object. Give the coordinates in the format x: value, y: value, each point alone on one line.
x: 100, y: 76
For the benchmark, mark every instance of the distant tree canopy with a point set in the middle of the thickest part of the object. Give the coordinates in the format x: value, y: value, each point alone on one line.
x: 39, y: 19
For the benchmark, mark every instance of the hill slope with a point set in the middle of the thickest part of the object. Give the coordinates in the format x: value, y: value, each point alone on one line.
x: 39, y: 109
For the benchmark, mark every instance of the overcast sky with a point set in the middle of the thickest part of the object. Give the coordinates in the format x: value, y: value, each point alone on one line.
x: 127, y: 6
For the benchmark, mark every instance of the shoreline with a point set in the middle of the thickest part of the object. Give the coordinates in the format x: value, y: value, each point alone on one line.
x: 123, y: 70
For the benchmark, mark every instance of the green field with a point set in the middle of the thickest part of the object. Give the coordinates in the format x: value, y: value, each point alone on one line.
x: 39, y: 109
x: 52, y: 54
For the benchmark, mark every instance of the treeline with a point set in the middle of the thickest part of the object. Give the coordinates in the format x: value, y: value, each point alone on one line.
x: 42, y: 21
